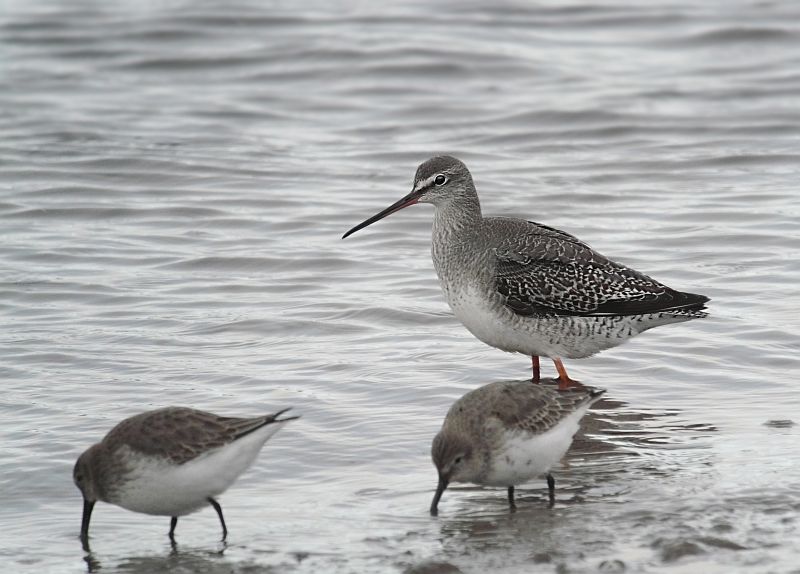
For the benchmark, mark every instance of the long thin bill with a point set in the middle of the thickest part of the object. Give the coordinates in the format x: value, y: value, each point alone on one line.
x: 436, y: 497
x: 410, y: 199
x: 87, y: 516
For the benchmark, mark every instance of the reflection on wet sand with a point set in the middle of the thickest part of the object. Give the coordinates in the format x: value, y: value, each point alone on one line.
x: 178, y: 559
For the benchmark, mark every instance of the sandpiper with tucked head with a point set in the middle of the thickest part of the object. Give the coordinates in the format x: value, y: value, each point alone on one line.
x: 507, y: 433
x: 170, y: 462
x: 527, y: 288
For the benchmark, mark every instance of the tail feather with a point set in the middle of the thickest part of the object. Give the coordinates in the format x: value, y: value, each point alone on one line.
x: 274, y: 418
x: 594, y: 395
x: 692, y: 302
x: 267, y: 420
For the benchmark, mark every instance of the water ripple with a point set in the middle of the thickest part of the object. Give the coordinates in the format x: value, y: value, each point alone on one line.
x: 176, y: 179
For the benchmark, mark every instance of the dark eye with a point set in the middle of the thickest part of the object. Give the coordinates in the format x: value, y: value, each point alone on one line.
x: 457, y: 460
x: 441, y: 179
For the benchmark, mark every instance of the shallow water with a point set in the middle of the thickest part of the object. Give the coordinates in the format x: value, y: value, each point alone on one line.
x: 175, y: 179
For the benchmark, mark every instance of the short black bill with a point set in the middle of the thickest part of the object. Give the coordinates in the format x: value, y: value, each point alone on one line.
x: 87, y: 516
x: 410, y: 199
x: 436, y: 497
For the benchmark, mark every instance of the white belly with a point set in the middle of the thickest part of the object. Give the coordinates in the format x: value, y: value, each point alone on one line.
x: 156, y: 486
x: 545, y: 335
x: 524, y: 457
x: 499, y: 327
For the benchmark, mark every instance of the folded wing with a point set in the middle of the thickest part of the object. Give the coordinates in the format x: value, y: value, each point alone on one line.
x: 543, y: 271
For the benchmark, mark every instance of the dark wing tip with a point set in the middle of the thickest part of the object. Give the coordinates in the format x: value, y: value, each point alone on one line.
x: 667, y: 301
x: 581, y: 395
x: 287, y: 419
x: 694, y: 301
x: 273, y: 418
x: 260, y: 422
x: 595, y: 393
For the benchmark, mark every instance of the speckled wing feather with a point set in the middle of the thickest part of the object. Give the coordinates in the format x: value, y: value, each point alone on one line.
x: 181, y: 434
x: 543, y: 271
x: 537, y: 408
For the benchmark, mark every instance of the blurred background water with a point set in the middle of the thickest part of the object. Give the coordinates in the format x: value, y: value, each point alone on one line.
x: 175, y: 180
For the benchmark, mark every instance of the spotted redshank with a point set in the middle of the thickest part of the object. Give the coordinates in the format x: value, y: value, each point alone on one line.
x: 170, y: 462
x: 507, y: 433
x: 528, y: 288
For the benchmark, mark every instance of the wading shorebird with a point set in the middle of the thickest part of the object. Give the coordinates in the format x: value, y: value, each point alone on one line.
x: 507, y: 433
x: 170, y: 462
x: 527, y: 288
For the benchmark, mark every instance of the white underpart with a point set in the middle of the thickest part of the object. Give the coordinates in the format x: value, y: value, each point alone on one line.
x: 524, y: 456
x: 547, y: 336
x: 490, y: 326
x: 157, y: 486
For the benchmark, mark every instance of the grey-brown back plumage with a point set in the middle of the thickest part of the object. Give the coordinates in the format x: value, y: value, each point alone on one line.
x: 180, y: 434
x: 518, y: 406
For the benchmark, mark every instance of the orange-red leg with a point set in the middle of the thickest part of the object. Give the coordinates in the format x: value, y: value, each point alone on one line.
x: 535, y: 367
x: 564, y: 382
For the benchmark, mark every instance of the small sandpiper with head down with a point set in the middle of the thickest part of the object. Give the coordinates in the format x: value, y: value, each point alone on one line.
x: 524, y: 287
x: 170, y: 462
x: 507, y: 433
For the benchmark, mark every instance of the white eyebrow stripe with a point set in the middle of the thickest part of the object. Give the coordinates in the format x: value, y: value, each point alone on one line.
x: 425, y: 183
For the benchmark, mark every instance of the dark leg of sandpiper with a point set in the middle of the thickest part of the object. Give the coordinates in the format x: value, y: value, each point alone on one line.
x: 218, y: 508
x: 551, y: 488
x: 535, y: 368
x: 172, y: 524
x: 511, y: 504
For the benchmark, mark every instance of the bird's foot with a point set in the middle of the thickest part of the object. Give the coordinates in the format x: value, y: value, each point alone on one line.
x: 564, y: 382
x: 551, y: 490
x: 512, y: 505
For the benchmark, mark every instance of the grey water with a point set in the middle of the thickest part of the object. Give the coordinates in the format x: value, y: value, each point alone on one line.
x: 175, y: 178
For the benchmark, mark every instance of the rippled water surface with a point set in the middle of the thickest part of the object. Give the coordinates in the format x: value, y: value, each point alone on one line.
x: 175, y: 180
